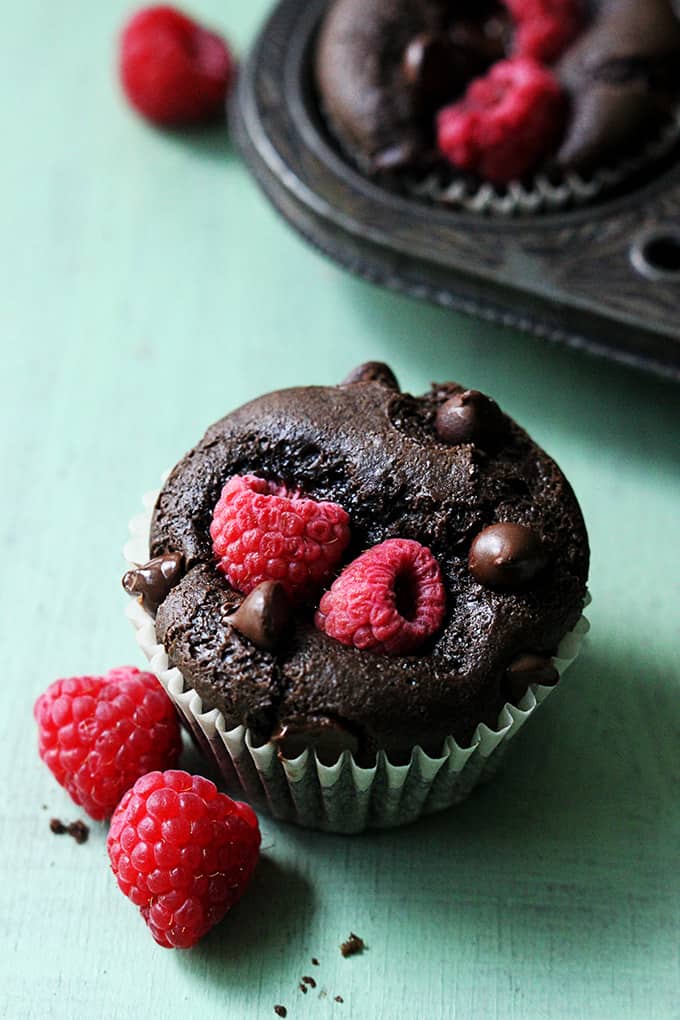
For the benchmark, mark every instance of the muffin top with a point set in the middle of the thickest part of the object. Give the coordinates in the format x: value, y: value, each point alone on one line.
x: 573, y: 84
x: 466, y: 493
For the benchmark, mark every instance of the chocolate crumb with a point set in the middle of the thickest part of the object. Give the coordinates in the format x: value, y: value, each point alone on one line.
x: 309, y: 981
x: 79, y: 830
x: 315, y: 961
x: 338, y: 998
x: 280, y: 1010
x: 303, y: 988
x: 353, y: 945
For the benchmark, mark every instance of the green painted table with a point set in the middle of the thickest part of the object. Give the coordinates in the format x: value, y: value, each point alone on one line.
x: 146, y: 289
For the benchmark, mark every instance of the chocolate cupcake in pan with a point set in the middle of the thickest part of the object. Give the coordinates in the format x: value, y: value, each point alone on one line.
x: 501, y: 106
x: 356, y: 597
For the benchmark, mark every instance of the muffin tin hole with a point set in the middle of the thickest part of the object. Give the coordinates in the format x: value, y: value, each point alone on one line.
x: 656, y: 254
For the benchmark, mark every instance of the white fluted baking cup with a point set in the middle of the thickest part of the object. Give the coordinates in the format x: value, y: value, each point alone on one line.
x: 343, y: 797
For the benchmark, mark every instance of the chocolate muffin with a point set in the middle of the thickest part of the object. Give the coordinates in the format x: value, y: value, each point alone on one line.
x: 446, y: 481
x: 386, y: 70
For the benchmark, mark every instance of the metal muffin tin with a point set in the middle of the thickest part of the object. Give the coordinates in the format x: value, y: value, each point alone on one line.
x: 604, y: 278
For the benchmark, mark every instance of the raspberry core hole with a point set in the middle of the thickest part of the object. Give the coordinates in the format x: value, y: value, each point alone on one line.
x: 406, y: 595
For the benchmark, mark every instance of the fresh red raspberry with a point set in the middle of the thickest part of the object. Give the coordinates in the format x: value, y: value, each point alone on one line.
x: 98, y: 734
x: 390, y: 599
x: 544, y: 28
x: 183, y: 853
x: 264, y: 532
x: 506, y: 123
x: 174, y: 71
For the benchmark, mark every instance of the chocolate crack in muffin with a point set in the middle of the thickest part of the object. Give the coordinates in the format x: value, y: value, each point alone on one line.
x: 437, y: 469
x: 385, y: 68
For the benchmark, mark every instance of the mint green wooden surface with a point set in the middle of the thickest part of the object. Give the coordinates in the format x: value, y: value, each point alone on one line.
x: 146, y: 289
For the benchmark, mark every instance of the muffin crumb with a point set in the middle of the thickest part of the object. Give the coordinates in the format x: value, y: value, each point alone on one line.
x: 78, y: 829
x: 353, y: 945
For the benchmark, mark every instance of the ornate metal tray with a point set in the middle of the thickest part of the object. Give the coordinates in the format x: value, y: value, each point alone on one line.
x: 603, y: 278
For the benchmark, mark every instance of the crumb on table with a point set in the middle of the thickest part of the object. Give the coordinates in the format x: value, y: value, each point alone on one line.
x: 353, y: 945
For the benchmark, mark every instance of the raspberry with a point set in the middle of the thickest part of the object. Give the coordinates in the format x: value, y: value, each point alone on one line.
x: 506, y: 123
x: 544, y: 28
x: 390, y: 599
x: 183, y: 853
x: 174, y: 71
x: 264, y: 532
x: 98, y: 734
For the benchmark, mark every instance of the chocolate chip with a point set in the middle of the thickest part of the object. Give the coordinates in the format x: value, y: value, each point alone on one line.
x: 469, y: 417
x: 57, y: 826
x: 281, y: 1011
x: 264, y: 615
x: 373, y: 372
x: 328, y: 738
x: 506, y: 556
x: 315, y: 961
x: 338, y: 998
x: 309, y: 981
x: 529, y: 669
x: 432, y: 66
x: 153, y: 580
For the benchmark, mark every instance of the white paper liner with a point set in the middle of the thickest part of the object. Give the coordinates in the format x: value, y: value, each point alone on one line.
x: 543, y: 195
x: 343, y: 797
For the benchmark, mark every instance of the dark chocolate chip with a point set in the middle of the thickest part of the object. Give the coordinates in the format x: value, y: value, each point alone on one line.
x: 506, y: 556
x: 529, y: 669
x: 315, y: 961
x: 483, y: 42
x: 469, y: 417
x: 432, y: 66
x: 153, y: 580
x: 281, y: 1011
x: 264, y: 615
x: 57, y: 826
x: 338, y: 998
x: 373, y: 372
x: 309, y: 981
x: 328, y: 738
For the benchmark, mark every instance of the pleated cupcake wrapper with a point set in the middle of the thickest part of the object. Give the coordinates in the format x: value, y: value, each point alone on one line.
x: 343, y: 797
x: 543, y: 195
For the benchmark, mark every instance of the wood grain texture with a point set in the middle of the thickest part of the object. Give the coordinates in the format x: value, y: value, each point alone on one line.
x: 146, y: 289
